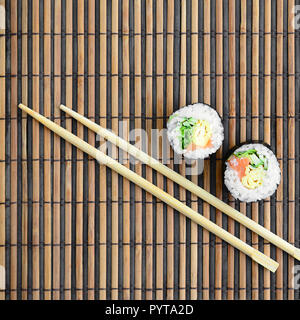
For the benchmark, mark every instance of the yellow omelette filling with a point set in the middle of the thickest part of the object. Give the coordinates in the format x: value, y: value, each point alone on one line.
x: 201, y: 133
x: 253, y: 177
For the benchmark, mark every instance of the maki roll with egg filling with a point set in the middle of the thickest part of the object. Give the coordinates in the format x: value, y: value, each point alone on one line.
x: 196, y: 131
x: 252, y: 173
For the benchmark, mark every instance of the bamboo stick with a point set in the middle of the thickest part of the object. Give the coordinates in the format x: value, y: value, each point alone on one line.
x: 232, y: 135
x: 149, y: 126
x: 206, y: 212
x: 91, y: 164
x: 194, y: 178
x: 292, y: 142
x: 24, y: 154
x: 149, y: 187
x: 182, y: 102
x: 206, y: 196
x: 255, y: 125
x: 267, y: 132
x: 279, y: 142
x: 114, y: 176
x: 170, y: 185
x: 126, y: 184
x: 2, y: 151
x: 68, y: 153
x: 79, y: 163
x: 56, y: 155
x: 47, y: 152
x: 138, y: 167
x: 160, y: 113
x: 102, y: 174
x: 243, y: 108
x: 219, y: 173
x: 14, y: 152
x: 36, y: 156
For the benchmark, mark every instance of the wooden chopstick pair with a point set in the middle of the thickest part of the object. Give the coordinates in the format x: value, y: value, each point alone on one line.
x: 256, y: 255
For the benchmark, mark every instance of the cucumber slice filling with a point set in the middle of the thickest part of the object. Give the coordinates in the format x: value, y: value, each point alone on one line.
x: 256, y: 160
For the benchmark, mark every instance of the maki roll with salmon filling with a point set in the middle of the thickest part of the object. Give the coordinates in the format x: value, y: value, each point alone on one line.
x: 196, y: 131
x: 252, y: 173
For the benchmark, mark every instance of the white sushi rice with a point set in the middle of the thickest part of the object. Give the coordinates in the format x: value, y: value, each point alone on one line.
x: 270, y: 182
x: 198, y: 111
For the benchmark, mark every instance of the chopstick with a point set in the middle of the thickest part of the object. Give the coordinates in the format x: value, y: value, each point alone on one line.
x: 256, y: 255
x: 187, y: 184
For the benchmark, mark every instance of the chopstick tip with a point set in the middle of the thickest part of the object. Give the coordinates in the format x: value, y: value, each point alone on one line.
x: 265, y: 261
x: 297, y: 254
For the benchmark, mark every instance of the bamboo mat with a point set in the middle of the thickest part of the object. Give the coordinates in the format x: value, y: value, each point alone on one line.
x: 72, y: 229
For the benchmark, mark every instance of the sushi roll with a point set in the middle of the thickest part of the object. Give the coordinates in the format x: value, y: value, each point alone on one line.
x: 196, y: 131
x: 252, y: 173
